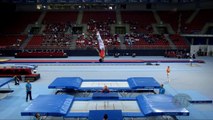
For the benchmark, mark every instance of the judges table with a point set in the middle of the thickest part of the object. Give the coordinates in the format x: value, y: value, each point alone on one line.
x: 101, y: 96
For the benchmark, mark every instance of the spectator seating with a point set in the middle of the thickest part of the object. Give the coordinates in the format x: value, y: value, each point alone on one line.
x: 60, y: 17
x: 174, y: 18
x: 140, y: 21
x: 179, y: 41
x: 99, y: 16
x: 146, y: 41
x: 55, y: 28
x: 16, y: 22
x: 35, y: 41
x: 203, y: 17
x: 102, y: 21
x: 11, y: 41
x: 110, y: 42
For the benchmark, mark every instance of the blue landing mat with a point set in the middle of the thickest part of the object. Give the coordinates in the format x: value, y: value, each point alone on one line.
x: 156, y: 105
x: 49, y: 105
x: 195, y: 96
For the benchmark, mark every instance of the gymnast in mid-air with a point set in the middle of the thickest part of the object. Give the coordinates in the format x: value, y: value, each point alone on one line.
x: 101, y: 49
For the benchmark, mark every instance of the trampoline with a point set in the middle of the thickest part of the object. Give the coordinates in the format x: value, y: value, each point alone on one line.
x: 92, y: 85
x: 67, y: 106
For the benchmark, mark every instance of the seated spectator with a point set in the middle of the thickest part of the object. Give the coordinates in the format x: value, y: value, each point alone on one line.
x: 161, y: 90
x: 16, y: 79
x: 37, y: 117
x: 105, y: 117
x: 105, y: 89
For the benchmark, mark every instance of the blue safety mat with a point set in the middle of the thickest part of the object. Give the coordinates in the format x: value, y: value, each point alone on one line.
x: 66, y: 83
x: 49, y: 105
x: 143, y: 83
x: 4, y: 81
x: 155, y: 105
x: 195, y: 96
x: 99, y: 114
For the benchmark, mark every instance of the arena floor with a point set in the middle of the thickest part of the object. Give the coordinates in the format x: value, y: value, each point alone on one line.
x: 183, y: 77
